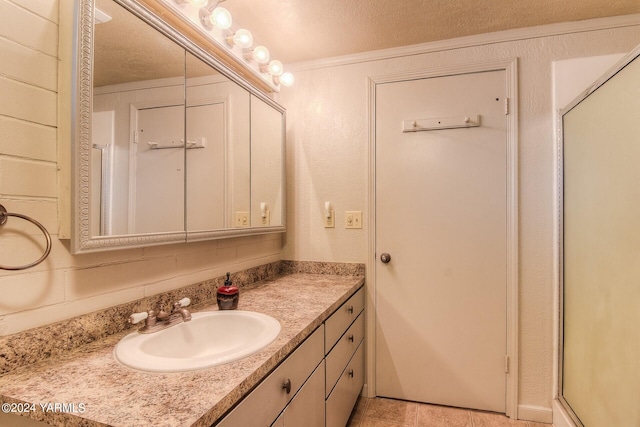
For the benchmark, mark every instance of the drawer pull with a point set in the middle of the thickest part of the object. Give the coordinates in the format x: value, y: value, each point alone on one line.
x: 350, y: 373
x: 350, y: 338
x: 286, y: 385
x: 350, y: 309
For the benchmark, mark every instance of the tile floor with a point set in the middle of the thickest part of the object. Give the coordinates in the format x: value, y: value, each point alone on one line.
x: 381, y: 412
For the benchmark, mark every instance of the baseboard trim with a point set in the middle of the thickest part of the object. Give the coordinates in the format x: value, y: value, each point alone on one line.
x: 560, y: 416
x: 538, y: 414
x: 365, y: 391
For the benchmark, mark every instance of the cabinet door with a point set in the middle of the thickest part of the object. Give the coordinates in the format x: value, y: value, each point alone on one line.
x: 307, y: 407
x: 343, y: 397
x: 269, y: 398
x: 279, y: 422
x: 342, y: 318
x: 342, y: 352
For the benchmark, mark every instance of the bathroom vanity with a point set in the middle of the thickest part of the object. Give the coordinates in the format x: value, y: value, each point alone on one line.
x: 313, y: 370
x: 328, y: 364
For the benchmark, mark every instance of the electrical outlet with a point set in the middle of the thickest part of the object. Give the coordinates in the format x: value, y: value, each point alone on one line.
x: 353, y: 219
x: 242, y: 219
x: 266, y: 219
x: 330, y: 221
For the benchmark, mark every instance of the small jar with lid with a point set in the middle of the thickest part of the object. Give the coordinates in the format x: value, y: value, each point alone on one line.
x: 228, y: 295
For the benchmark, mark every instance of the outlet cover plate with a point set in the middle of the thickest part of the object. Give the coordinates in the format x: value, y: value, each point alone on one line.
x: 241, y: 219
x: 353, y: 219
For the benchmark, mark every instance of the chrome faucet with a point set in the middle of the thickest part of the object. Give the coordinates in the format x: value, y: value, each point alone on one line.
x: 156, y: 322
x: 183, y: 312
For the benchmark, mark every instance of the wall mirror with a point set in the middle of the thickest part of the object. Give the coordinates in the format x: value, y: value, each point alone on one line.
x: 170, y: 145
x: 600, y: 260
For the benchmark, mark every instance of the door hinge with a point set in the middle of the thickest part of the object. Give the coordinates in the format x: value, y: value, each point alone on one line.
x: 506, y: 364
x: 506, y: 106
x: 135, y: 137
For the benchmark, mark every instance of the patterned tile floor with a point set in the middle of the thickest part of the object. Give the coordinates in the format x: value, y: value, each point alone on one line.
x: 381, y: 412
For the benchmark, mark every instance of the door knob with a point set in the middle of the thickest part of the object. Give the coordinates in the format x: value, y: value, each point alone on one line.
x: 385, y: 258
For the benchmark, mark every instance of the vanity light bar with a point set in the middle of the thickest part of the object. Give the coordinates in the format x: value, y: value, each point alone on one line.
x: 217, y: 22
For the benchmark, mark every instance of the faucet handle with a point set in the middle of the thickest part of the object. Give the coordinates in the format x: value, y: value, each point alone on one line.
x: 138, y: 317
x: 184, y: 302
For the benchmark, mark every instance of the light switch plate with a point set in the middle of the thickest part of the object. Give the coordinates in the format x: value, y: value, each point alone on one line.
x: 330, y: 222
x: 266, y: 220
x: 353, y: 219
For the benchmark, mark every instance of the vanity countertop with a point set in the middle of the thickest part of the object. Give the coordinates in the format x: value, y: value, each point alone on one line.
x: 99, y: 391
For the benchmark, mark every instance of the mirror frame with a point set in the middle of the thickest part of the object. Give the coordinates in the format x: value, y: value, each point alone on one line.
x: 81, y: 111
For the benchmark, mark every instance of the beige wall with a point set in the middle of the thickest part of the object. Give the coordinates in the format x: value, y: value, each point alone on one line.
x: 64, y: 285
x: 327, y: 155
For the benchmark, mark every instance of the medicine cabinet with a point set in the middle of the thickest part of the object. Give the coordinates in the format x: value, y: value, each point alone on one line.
x: 168, y: 143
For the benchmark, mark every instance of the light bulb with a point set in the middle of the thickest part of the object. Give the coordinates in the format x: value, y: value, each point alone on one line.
x: 198, y: 3
x: 221, y: 18
x: 286, y: 79
x: 242, y: 38
x: 275, y: 68
x: 261, y: 54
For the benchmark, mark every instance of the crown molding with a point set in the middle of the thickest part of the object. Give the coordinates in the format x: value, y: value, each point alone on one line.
x: 471, y: 41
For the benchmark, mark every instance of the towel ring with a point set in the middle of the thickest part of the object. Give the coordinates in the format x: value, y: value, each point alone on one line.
x: 3, y: 220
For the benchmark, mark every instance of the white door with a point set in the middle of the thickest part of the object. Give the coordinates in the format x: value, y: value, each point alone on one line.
x: 441, y: 216
x: 158, y: 193
x: 206, y: 168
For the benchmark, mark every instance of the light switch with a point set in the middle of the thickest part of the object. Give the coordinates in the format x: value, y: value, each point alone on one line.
x: 265, y: 218
x: 330, y: 220
x: 329, y: 216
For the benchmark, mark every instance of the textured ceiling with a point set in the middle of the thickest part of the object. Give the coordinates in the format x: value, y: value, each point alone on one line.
x: 301, y: 30
x: 128, y: 50
x: 121, y: 49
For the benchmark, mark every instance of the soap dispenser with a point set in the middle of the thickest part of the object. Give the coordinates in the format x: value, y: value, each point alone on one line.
x: 227, y: 295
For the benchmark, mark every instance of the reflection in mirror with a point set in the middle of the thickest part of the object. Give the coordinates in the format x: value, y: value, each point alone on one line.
x: 162, y: 142
x: 218, y: 139
x: 137, y: 168
x: 267, y: 164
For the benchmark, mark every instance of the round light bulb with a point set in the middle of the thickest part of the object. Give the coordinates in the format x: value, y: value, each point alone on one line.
x: 221, y: 18
x: 261, y: 54
x: 198, y: 3
x: 276, y: 68
x: 286, y: 79
x: 243, y: 38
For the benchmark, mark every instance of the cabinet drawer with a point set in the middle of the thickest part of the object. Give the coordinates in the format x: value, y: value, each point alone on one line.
x: 261, y: 407
x: 307, y: 408
x: 343, y: 397
x: 342, y: 318
x: 342, y: 352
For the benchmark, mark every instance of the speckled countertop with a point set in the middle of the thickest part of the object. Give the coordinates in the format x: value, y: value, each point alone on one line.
x: 102, y: 392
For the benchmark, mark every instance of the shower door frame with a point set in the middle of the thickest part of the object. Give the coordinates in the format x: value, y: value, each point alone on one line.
x: 619, y: 65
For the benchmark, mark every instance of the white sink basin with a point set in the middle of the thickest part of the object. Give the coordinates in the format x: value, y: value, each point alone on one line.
x: 209, y: 339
